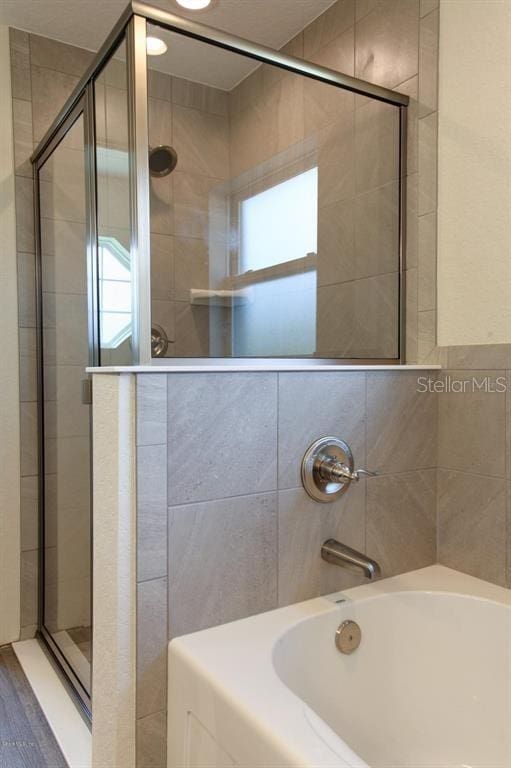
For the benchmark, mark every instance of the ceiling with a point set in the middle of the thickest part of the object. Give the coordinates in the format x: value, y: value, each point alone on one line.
x: 86, y: 23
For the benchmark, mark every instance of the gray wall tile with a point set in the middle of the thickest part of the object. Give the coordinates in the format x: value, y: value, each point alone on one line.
x: 25, y: 242
x: 50, y: 90
x: 472, y: 425
x: 152, y: 741
x: 59, y: 56
x: 427, y: 262
x: 312, y: 405
x: 151, y: 647
x: 304, y: 525
x: 401, y: 521
x: 222, y: 561
x: 20, y: 64
x: 151, y: 511
x: 151, y: 409
x: 401, y: 423
x: 387, y: 42
x: 472, y: 524
x: 29, y: 514
x: 428, y: 64
x: 428, y: 133
x: 23, y: 142
x: 222, y: 435
x: 29, y: 561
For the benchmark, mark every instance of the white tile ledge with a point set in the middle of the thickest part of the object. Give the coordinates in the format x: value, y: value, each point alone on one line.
x: 252, y: 367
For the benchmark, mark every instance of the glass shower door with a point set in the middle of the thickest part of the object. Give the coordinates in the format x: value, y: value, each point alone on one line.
x: 66, y: 521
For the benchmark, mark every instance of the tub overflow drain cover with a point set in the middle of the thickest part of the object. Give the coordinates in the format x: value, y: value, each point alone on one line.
x: 348, y: 637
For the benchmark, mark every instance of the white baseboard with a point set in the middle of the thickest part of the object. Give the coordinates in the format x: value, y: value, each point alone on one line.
x: 69, y: 729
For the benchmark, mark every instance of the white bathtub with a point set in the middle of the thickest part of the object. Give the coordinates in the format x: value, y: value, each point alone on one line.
x: 429, y: 686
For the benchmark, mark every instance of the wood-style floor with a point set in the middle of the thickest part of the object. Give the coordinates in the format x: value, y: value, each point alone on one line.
x: 26, y: 740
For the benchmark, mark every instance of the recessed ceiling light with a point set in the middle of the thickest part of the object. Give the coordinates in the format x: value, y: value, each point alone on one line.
x: 155, y: 46
x: 194, y: 5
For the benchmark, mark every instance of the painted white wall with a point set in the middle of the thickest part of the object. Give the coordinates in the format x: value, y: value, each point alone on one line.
x: 9, y: 369
x: 114, y: 572
x: 474, y: 173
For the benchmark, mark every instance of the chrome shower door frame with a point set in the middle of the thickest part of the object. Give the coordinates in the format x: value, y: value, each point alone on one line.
x: 84, y: 107
x: 133, y: 24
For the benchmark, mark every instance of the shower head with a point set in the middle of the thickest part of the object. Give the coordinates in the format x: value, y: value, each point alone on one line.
x: 162, y: 160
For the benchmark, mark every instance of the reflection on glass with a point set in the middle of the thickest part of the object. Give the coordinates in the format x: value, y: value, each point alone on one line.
x: 277, y: 231
x: 114, y: 265
x: 67, y: 520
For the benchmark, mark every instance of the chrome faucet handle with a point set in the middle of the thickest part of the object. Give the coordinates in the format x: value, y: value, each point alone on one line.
x: 358, y: 473
x: 337, y: 472
x: 328, y: 469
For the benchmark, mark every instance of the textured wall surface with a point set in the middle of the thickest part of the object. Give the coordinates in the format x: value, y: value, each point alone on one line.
x: 474, y: 170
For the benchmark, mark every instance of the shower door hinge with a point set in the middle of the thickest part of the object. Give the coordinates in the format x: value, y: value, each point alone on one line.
x: 86, y: 391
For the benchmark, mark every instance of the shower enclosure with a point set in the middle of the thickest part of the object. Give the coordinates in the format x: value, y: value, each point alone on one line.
x: 223, y: 200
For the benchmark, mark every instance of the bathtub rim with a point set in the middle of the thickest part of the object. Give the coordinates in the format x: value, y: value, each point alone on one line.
x: 260, y: 700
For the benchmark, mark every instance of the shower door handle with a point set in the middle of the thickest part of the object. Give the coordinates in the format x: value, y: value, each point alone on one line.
x: 86, y: 391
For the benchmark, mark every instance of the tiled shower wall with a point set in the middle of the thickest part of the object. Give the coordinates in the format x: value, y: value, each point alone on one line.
x: 43, y: 75
x: 225, y: 528
x: 392, y: 42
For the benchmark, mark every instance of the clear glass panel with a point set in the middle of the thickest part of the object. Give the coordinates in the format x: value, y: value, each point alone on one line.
x: 275, y: 221
x: 113, y: 203
x: 67, y: 518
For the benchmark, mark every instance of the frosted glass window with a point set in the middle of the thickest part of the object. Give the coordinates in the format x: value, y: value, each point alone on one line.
x: 281, y: 223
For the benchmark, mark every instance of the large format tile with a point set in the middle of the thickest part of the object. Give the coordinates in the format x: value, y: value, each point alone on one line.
x: 50, y: 90
x: 336, y: 243
x: 162, y: 267
x: 197, y: 96
x: 151, y: 647
x: 328, y: 26
x: 192, y: 267
x: 312, y: 405
x: 151, y: 409
x: 428, y: 64
x: 304, y: 524
x: 151, y: 510
x: 29, y: 563
x: 336, y: 161
x: 411, y: 294
x: 194, y: 197
x: 401, y: 521
x: 401, y: 423
x: 376, y: 145
x: 59, y: 56
x: 28, y: 439
x: 387, y: 43
x: 28, y: 365
x: 20, y: 64
x: 23, y: 142
x: 152, y: 741
x: 427, y: 262
x: 472, y: 524
x: 25, y: 241
x: 222, y: 432
x: 377, y: 231
x: 29, y: 513
x: 428, y: 132
x: 472, y: 423
x: 159, y: 122
x: 325, y: 103
x: 201, y: 142
x: 222, y: 561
